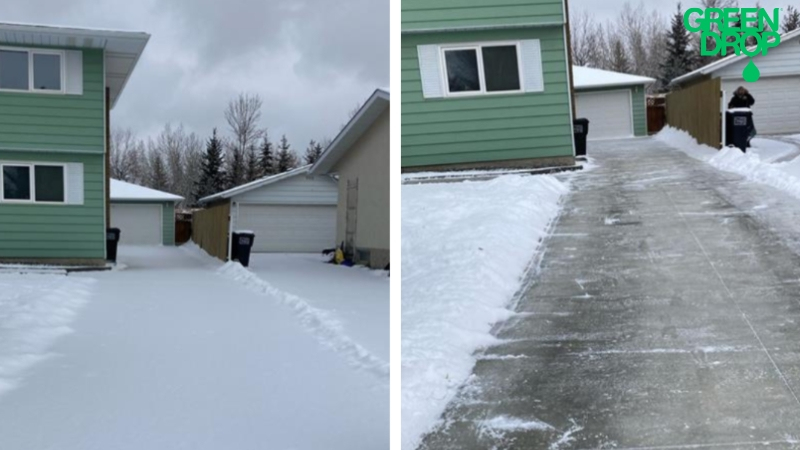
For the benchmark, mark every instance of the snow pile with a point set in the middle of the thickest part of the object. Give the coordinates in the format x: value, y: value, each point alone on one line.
x: 783, y: 176
x: 327, y: 329
x: 35, y: 310
x: 466, y: 247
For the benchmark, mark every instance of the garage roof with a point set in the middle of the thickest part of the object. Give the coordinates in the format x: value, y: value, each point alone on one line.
x: 261, y: 182
x: 122, y: 48
x: 120, y: 190
x: 358, y: 125
x: 591, y: 78
x: 724, y: 62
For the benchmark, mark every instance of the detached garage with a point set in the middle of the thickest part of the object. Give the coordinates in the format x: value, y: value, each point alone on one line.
x: 777, y: 91
x: 144, y: 216
x: 289, y: 213
x: 615, y: 103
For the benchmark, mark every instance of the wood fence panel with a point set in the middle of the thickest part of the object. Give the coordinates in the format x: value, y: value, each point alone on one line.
x: 656, y: 114
x: 210, y: 229
x: 696, y: 110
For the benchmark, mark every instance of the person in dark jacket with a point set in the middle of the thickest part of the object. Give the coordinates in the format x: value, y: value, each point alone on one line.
x: 741, y: 99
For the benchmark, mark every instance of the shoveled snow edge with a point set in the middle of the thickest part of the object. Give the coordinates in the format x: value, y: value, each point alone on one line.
x: 320, y: 323
x: 732, y: 160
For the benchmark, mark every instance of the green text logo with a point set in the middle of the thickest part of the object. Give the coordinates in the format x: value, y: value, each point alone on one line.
x: 747, y: 31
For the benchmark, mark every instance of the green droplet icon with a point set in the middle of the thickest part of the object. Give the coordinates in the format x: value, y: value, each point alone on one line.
x: 751, y: 73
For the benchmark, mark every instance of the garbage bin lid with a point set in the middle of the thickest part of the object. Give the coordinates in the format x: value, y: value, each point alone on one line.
x: 244, y: 232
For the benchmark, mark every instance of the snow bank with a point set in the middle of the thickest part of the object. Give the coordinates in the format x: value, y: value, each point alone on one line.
x: 783, y: 176
x: 466, y: 247
x: 327, y: 329
x: 35, y: 310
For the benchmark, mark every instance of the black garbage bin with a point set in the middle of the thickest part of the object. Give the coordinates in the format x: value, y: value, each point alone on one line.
x: 580, y: 127
x: 112, y: 241
x: 739, y: 128
x: 242, y: 244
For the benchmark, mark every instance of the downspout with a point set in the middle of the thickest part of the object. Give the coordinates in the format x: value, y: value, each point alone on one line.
x: 569, y: 56
x: 108, y: 157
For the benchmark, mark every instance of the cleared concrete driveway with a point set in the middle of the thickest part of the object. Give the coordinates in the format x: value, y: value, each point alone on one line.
x: 666, y: 315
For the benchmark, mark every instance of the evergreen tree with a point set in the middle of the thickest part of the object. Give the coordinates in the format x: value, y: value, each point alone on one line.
x: 212, y: 175
x: 792, y: 20
x: 159, y: 179
x: 236, y: 168
x: 266, y: 158
x: 251, y: 163
x: 286, y: 157
x: 679, y: 57
x: 313, y: 152
x: 619, y: 57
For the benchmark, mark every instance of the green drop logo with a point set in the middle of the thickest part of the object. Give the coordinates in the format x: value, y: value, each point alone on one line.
x: 751, y: 73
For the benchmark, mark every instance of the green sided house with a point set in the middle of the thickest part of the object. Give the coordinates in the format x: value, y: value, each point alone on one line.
x: 57, y: 87
x: 485, y: 84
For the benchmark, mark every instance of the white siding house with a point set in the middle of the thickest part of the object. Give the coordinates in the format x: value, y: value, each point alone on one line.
x: 777, y: 92
x: 289, y: 213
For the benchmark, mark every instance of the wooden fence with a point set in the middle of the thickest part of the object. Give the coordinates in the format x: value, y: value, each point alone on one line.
x: 656, y: 114
x: 696, y: 109
x: 210, y: 229
x: 183, y: 228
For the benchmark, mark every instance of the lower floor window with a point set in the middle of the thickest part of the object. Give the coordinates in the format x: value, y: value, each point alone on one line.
x: 33, y: 183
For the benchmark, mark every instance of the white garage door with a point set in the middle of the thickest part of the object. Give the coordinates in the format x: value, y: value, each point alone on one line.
x: 777, y: 108
x: 290, y: 228
x: 609, y: 113
x: 138, y: 224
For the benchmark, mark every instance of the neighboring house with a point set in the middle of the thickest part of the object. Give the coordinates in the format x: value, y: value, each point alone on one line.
x: 777, y: 92
x: 144, y: 216
x: 289, y: 213
x: 615, y: 103
x: 57, y: 86
x: 485, y: 84
x: 359, y: 159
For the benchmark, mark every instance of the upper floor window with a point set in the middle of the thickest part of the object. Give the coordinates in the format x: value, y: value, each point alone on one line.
x: 31, y: 70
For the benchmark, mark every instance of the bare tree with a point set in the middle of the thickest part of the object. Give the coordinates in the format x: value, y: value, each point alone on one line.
x: 243, y: 115
x: 123, y: 154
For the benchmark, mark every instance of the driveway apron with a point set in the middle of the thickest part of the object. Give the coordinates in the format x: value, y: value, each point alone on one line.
x: 665, y: 314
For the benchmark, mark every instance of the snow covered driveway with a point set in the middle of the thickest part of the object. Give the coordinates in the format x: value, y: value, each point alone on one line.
x: 666, y: 315
x: 168, y: 354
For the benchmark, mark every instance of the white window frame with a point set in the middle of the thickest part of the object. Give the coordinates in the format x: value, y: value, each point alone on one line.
x: 32, y: 167
x: 478, y: 48
x: 39, y: 51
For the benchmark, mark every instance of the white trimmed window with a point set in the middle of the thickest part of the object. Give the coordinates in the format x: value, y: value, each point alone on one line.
x: 34, y: 183
x: 487, y: 68
x: 32, y: 70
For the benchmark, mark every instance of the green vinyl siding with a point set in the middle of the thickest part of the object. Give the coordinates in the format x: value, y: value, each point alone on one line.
x: 57, y: 122
x: 168, y: 228
x: 429, y: 15
x: 639, y: 108
x: 32, y: 231
x: 491, y: 127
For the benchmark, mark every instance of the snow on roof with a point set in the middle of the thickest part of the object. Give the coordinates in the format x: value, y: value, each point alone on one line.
x: 122, y: 48
x: 724, y: 62
x: 121, y: 190
x: 256, y: 184
x: 354, y: 129
x: 588, y: 77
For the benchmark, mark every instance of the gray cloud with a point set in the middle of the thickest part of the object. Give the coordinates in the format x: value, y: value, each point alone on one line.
x: 311, y: 61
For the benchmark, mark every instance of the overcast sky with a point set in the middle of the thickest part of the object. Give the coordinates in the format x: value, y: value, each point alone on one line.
x: 609, y: 9
x: 311, y: 61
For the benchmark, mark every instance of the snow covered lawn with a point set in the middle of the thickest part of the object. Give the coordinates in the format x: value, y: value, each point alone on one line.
x: 757, y: 165
x: 466, y: 247
x: 172, y: 353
